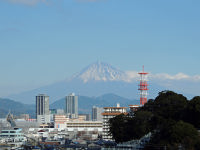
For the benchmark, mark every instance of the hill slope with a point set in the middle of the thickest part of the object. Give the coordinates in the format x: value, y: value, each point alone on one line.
x: 15, y: 107
x: 85, y: 103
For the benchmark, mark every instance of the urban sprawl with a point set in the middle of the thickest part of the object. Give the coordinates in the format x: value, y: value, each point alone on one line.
x: 66, y: 129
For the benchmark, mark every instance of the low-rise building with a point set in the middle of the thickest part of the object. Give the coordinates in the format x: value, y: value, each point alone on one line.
x: 60, y: 121
x: 84, y: 117
x: 79, y: 124
x: 84, y: 125
x: 14, y: 134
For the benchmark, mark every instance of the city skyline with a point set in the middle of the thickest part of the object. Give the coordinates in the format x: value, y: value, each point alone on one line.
x: 59, y: 38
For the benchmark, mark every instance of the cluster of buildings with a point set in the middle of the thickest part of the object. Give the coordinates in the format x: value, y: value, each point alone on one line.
x: 57, y: 124
x: 44, y: 115
x: 70, y: 121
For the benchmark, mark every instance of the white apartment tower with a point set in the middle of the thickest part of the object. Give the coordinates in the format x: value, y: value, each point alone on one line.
x: 42, y: 109
x: 110, y: 112
x: 72, y: 106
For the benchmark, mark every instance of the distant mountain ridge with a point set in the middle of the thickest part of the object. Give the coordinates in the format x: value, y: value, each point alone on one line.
x: 85, y: 104
x: 15, y: 107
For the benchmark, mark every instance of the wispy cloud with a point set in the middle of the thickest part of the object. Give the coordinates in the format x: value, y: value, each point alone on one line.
x: 27, y: 2
x: 178, y: 76
x: 133, y: 75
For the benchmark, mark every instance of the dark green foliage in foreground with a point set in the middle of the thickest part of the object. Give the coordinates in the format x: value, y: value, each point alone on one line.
x: 119, y: 123
x: 122, y: 126
x: 171, y: 119
x: 193, y: 112
x: 174, y: 135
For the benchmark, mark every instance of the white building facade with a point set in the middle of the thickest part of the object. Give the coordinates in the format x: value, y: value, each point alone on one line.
x: 110, y: 112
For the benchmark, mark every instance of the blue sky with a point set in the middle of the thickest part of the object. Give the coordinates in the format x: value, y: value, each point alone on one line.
x: 43, y: 41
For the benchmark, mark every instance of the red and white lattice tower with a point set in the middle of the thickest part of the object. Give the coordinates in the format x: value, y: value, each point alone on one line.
x: 143, y: 87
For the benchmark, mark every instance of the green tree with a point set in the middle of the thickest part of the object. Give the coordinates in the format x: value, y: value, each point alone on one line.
x: 170, y: 105
x: 175, y: 135
x: 192, y: 113
x: 141, y: 124
x: 171, y: 119
x: 119, y: 127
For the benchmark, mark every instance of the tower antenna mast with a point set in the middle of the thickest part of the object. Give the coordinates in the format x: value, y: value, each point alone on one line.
x: 143, y: 87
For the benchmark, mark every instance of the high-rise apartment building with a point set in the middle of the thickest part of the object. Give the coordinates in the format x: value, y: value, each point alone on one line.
x: 96, y: 113
x: 42, y: 109
x: 72, y: 106
x: 110, y: 112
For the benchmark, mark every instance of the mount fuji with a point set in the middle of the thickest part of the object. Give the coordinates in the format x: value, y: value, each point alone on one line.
x: 100, y: 72
x: 94, y: 80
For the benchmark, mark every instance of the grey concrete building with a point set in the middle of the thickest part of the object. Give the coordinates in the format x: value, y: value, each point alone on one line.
x: 96, y: 113
x: 42, y: 109
x: 72, y: 106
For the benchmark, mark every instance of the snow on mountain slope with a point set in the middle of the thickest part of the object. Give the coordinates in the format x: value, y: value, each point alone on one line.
x: 100, y: 72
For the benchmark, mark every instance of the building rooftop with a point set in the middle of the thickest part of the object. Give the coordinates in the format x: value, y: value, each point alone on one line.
x: 115, y: 107
x: 134, y: 105
x: 113, y: 114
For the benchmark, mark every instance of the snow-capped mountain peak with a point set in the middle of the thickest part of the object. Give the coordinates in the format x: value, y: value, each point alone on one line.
x: 100, y: 71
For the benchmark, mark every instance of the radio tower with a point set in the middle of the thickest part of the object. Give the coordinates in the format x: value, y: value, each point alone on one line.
x: 143, y: 87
